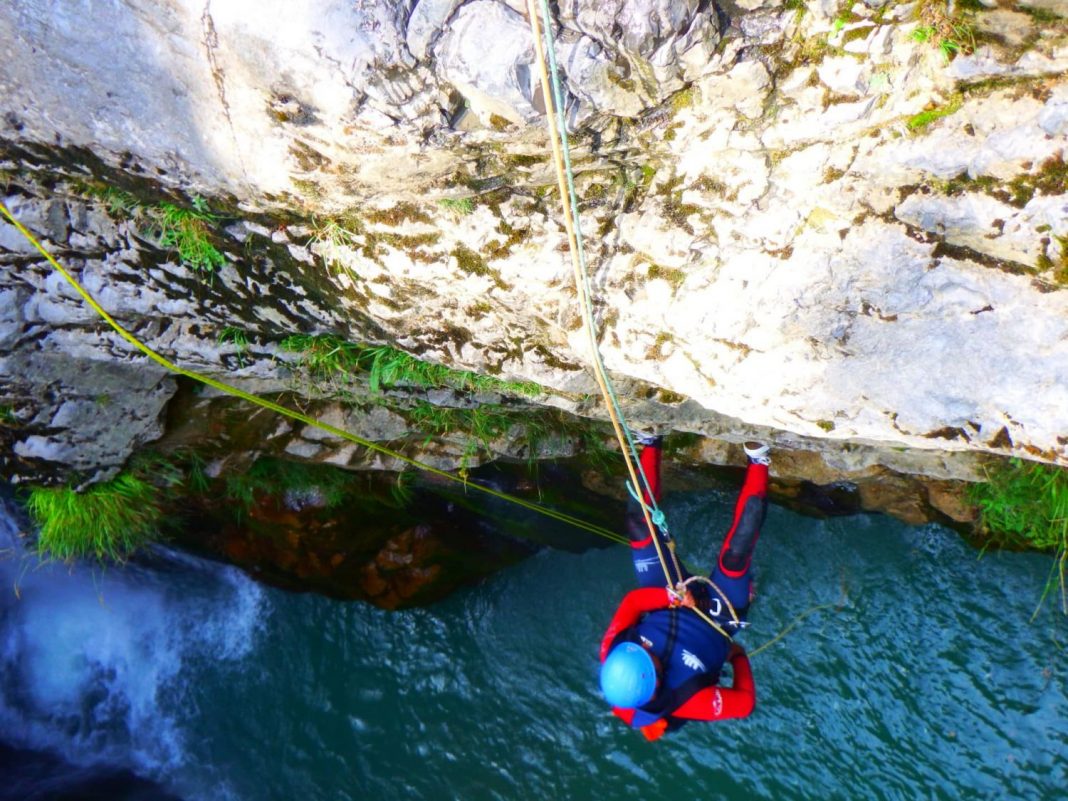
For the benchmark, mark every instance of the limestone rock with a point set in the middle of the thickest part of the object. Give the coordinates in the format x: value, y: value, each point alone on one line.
x: 596, y: 78
x: 985, y: 224
x: 645, y: 48
x: 1058, y: 7
x: 831, y: 236
x: 493, y: 72
x: 426, y: 22
x: 72, y: 429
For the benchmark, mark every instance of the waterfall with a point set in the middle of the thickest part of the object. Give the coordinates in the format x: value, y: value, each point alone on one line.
x: 94, y: 661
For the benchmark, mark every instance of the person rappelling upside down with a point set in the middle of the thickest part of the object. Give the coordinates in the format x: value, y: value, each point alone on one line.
x: 662, y: 653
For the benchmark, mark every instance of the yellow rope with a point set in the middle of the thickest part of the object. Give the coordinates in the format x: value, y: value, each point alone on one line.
x: 341, y: 433
x: 290, y: 413
x: 789, y: 628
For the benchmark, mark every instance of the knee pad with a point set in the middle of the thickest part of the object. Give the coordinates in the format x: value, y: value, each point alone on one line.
x: 739, y: 548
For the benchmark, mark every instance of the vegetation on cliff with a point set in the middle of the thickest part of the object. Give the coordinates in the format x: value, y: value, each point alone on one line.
x: 1025, y: 505
x: 328, y: 356
x: 108, y: 521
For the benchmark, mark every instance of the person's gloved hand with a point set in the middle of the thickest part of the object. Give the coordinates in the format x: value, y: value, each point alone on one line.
x: 676, y: 599
x: 654, y: 731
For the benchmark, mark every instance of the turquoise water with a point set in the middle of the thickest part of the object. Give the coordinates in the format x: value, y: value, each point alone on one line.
x: 924, y: 680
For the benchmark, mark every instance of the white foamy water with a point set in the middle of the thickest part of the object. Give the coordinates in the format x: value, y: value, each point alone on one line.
x: 93, y: 662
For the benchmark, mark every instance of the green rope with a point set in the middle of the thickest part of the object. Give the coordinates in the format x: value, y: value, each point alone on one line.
x: 587, y: 306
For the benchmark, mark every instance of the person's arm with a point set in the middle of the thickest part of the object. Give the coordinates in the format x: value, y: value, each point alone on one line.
x: 634, y: 604
x: 723, y: 703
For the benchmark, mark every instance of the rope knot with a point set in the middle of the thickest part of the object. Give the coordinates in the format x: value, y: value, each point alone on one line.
x: 656, y: 514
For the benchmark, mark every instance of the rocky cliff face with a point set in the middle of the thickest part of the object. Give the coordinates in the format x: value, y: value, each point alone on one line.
x: 842, y: 227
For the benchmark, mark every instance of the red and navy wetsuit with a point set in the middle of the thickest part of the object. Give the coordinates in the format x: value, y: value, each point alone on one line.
x: 690, y: 652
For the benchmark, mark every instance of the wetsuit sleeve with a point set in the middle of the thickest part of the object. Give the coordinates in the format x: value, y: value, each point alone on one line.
x: 723, y: 703
x: 634, y: 604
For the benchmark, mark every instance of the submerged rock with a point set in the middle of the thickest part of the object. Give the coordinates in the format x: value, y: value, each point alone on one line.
x: 394, y: 550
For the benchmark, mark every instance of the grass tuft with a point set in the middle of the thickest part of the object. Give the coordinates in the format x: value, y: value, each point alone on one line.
x: 187, y: 233
x: 108, y: 521
x: 323, y: 355
x: 115, y: 201
x: 1025, y: 505
x: 238, y: 338
x: 332, y: 236
x: 490, y: 424
x: 950, y: 32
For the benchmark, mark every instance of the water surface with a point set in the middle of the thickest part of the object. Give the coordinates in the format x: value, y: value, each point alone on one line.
x: 923, y: 680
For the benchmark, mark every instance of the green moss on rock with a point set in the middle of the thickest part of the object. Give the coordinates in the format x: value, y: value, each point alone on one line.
x: 399, y: 214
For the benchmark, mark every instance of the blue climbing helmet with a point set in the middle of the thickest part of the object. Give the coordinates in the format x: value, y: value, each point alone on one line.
x: 628, y: 676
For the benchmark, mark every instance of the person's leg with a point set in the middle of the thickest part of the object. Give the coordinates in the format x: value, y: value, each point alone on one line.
x: 647, y: 565
x: 732, y: 567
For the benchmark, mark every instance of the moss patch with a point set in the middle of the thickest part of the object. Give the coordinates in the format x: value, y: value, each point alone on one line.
x: 502, y: 248
x: 522, y: 160
x: 667, y: 396
x: 683, y: 99
x: 675, y: 209
x: 1051, y: 178
x: 672, y: 275
x: 398, y: 215
x: 656, y: 350
x: 472, y: 263
x: 918, y: 122
x: 1059, y: 264
x: 308, y: 158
